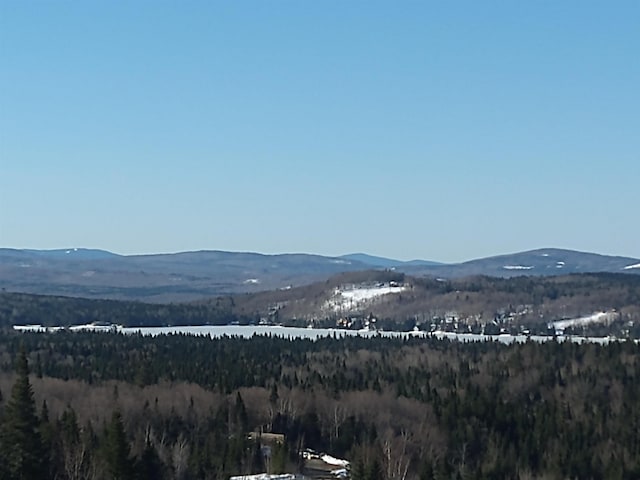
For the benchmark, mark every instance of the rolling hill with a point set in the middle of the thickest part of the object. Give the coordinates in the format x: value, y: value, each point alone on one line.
x: 544, y: 261
x: 189, y: 276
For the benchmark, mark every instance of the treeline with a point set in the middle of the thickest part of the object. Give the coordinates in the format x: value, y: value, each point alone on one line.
x: 397, y: 408
x: 28, y: 309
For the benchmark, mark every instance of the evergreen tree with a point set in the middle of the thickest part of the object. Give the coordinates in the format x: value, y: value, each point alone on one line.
x: 149, y: 466
x: 374, y: 472
x: 359, y: 471
x: 240, y: 414
x: 116, y: 450
x: 279, y: 458
x: 47, y: 435
x: 24, y: 455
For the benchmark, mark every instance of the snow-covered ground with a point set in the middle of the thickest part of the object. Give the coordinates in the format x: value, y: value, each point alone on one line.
x: 334, y: 461
x: 95, y: 328
x: 249, y: 331
x: 90, y: 327
x: 517, y: 267
x: 358, y: 296
x: 340, y: 473
x: 361, y: 294
x: 35, y: 328
x: 629, y: 267
x: 598, y: 317
x: 265, y: 476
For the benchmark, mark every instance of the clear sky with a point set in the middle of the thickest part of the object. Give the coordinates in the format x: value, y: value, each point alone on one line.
x: 436, y: 130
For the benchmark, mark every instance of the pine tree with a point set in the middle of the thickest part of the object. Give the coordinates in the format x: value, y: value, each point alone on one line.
x: 240, y: 415
x: 359, y: 471
x: 24, y: 455
x: 374, y: 472
x: 46, y: 435
x: 279, y: 458
x: 116, y: 449
x: 149, y: 466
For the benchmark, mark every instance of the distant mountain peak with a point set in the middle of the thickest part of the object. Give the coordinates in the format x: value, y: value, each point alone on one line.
x: 383, y: 262
x: 195, y: 275
x: 73, y: 252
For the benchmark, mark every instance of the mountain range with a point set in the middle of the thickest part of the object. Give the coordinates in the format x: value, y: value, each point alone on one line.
x: 189, y: 276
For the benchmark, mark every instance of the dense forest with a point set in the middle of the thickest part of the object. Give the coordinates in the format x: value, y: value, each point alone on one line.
x: 28, y: 309
x: 99, y: 406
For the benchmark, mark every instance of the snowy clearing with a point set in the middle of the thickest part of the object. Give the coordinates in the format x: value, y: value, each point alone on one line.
x: 517, y: 267
x: 361, y: 294
x: 355, y: 296
x: 598, y: 317
x: 629, y: 267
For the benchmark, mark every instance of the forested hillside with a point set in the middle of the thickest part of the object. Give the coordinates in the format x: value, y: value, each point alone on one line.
x: 529, y: 302
x: 474, y: 302
x: 115, y: 406
x: 26, y: 309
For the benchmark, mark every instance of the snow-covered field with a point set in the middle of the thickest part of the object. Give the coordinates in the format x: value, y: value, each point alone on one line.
x: 629, y: 267
x: 316, y: 333
x: 74, y: 328
x: 517, y: 267
x: 598, y: 317
x: 354, y: 297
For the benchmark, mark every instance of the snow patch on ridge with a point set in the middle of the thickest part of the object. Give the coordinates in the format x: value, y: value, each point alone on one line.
x: 598, y: 317
x: 360, y: 294
x: 356, y: 296
x: 517, y: 267
x: 629, y: 267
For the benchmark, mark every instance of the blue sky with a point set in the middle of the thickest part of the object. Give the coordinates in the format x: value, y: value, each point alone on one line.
x: 435, y: 130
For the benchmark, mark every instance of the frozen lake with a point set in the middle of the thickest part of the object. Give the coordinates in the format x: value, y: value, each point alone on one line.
x: 312, y: 333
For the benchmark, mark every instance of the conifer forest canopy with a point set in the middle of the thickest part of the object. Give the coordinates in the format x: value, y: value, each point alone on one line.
x: 101, y: 406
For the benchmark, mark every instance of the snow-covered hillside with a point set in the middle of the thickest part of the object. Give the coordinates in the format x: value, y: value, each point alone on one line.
x: 357, y: 296
x: 598, y: 317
